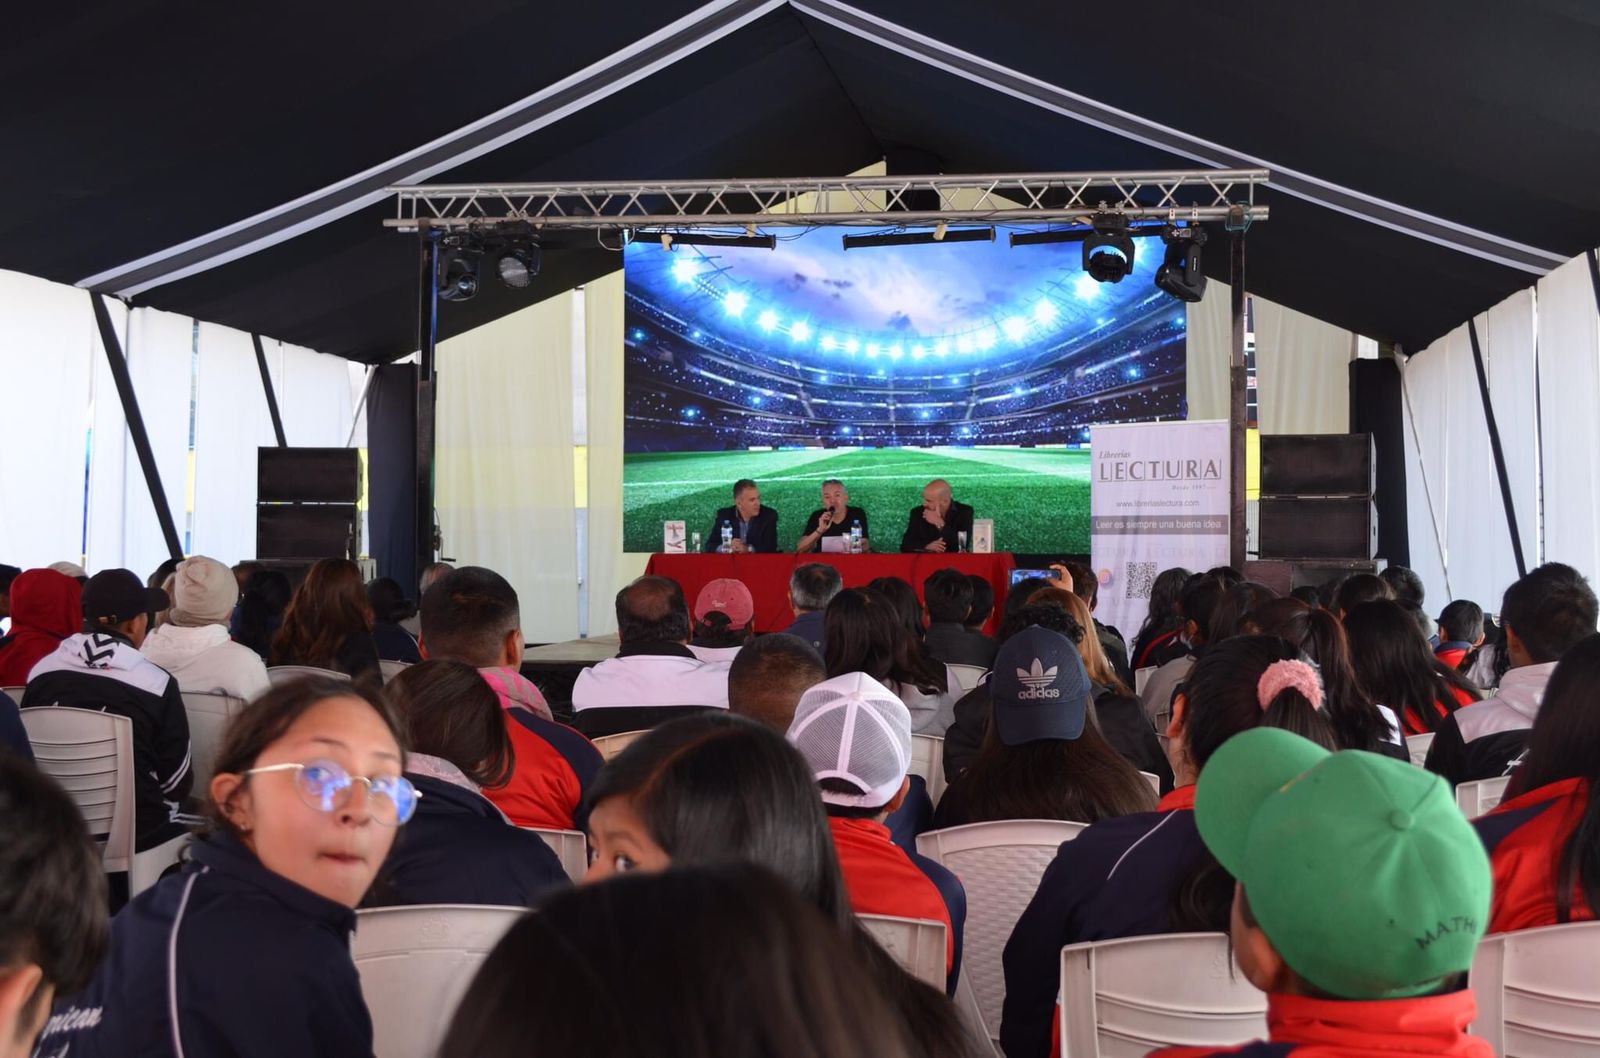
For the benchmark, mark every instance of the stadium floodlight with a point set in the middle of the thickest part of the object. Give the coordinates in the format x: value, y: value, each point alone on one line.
x: 669, y: 239
x: 799, y: 331
x: 768, y: 320
x: 1016, y: 328
x: 1086, y: 288
x: 827, y: 343
x: 852, y: 346
x: 1044, y: 312
x: 918, y: 238
x: 1180, y: 274
x: 1108, y: 250
x: 734, y: 302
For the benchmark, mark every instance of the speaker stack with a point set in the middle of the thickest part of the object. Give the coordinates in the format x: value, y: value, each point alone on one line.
x: 306, y: 504
x: 1316, y: 519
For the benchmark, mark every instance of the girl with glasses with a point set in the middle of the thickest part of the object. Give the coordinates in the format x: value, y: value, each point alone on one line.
x: 247, y: 951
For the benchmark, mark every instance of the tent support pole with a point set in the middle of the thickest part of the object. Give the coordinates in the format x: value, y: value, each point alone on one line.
x: 266, y: 386
x: 1238, y: 387
x: 427, y: 341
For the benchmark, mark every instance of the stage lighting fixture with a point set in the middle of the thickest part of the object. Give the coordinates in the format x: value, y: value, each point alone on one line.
x: 669, y: 239
x: 1108, y: 250
x: 459, y: 274
x: 517, y: 266
x: 916, y: 238
x: 1180, y: 274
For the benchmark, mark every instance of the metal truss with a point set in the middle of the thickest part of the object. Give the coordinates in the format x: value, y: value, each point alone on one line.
x: 879, y: 201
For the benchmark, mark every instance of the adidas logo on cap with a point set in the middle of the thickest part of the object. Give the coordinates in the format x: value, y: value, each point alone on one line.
x: 1036, y: 683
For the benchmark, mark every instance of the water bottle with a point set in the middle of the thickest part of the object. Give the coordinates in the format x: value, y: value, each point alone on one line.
x: 694, y: 546
x: 855, y: 537
x: 727, y: 536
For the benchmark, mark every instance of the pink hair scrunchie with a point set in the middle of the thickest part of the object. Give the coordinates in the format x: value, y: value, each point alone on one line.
x: 1282, y: 675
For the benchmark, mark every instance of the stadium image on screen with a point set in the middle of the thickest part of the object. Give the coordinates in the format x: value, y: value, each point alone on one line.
x: 886, y: 367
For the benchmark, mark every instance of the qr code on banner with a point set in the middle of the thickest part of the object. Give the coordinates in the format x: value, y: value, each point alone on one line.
x: 1140, y: 579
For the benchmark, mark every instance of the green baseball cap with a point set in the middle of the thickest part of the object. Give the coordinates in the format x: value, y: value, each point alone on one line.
x: 1359, y: 868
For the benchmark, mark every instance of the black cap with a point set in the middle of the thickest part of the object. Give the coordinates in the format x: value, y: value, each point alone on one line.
x: 7, y: 575
x: 116, y: 595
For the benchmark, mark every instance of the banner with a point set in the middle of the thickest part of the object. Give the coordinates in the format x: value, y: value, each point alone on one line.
x: 1158, y: 499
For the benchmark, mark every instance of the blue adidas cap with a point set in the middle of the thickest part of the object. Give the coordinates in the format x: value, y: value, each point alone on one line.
x: 1039, y: 688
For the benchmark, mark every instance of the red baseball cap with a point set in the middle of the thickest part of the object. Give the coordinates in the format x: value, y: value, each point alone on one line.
x: 728, y: 596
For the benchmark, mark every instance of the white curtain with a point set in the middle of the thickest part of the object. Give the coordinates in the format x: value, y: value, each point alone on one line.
x: 505, y: 465
x: 313, y: 396
x: 1569, y: 426
x: 231, y: 422
x: 160, y: 355
x: 1426, y: 426
x: 610, y: 568
x: 110, y: 455
x: 1509, y: 333
x: 1210, y: 332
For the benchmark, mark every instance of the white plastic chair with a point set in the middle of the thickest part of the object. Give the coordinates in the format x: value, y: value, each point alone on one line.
x: 1417, y: 746
x: 90, y: 754
x: 1479, y: 798
x: 1128, y: 997
x: 1153, y: 779
x: 919, y: 945
x: 610, y: 745
x: 391, y: 669
x: 927, y: 760
x: 1142, y: 677
x: 14, y: 693
x: 967, y: 676
x: 571, y: 848
x: 209, y: 715
x: 281, y: 674
x: 1538, y: 991
x: 416, y: 963
x: 999, y: 864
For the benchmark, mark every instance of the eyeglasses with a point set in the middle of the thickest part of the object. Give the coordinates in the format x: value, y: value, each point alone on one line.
x: 326, y: 786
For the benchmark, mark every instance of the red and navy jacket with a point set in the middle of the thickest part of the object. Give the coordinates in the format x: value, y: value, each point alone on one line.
x: 554, y: 768
x: 1452, y: 651
x: 1115, y: 879
x: 225, y: 958
x: 1441, y: 710
x: 1525, y: 838
x: 1337, y: 1028
x: 884, y: 879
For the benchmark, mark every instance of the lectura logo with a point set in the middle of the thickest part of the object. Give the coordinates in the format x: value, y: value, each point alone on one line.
x: 1037, y: 681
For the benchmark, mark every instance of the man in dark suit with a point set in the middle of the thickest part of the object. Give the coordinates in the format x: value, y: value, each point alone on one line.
x: 834, y: 519
x: 754, y: 527
x: 934, y: 525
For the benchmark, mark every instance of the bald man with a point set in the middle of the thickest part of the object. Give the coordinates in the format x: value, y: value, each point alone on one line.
x: 934, y: 525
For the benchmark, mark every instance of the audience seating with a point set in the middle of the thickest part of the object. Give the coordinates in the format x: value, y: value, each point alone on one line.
x: 571, y: 848
x: 90, y: 754
x: 280, y: 674
x: 927, y: 760
x: 391, y: 669
x: 917, y: 944
x: 14, y: 693
x: 1142, y: 677
x: 1417, y: 746
x: 610, y: 745
x: 1479, y: 798
x: 1000, y: 865
x: 1538, y: 991
x: 1128, y: 997
x: 967, y: 676
x: 415, y: 965
x: 209, y: 715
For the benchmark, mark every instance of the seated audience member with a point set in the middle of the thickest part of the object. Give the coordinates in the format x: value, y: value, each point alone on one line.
x: 53, y: 927
x: 811, y: 588
x: 947, y: 594
x: 835, y: 518
x: 1398, y: 670
x: 328, y: 624
x: 655, y: 676
x: 1236, y: 610
x: 1359, y: 588
x: 459, y: 848
x: 194, y: 644
x: 390, y: 608
x: 46, y: 607
x: 472, y: 615
x: 1357, y: 722
x: 101, y: 669
x: 752, y: 527
x: 865, y: 634
x: 856, y: 737
x: 1544, y: 838
x: 71, y: 569
x: 714, y: 789
x: 982, y: 602
x: 762, y: 975
x: 260, y: 611
x: 1198, y: 604
x: 1460, y: 632
x: 291, y: 851
x: 13, y: 736
x: 724, y: 620
x: 1309, y: 595
x: 162, y: 579
x: 939, y: 523
x: 1114, y: 710
x: 1409, y: 593
x: 903, y: 597
x: 7, y: 575
x: 1159, y: 638
x: 1381, y: 969
x: 1086, y: 586
x: 1486, y: 666
x: 430, y: 573
x: 1149, y: 873
x: 243, y: 571
x: 768, y: 677
x: 1041, y: 758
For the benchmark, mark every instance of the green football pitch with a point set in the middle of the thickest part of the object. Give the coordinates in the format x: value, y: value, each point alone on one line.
x: 1038, y: 497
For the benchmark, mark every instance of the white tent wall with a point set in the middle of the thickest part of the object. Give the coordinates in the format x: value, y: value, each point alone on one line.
x: 160, y: 351
x: 1569, y: 426
x: 231, y: 421
x: 110, y: 454
x: 609, y: 566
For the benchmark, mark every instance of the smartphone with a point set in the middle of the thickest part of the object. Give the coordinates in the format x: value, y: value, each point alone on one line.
x: 1020, y: 575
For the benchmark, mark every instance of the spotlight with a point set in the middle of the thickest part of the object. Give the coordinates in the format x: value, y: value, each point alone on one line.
x: 459, y: 281
x: 518, y: 265
x: 1180, y: 274
x: 1108, y: 250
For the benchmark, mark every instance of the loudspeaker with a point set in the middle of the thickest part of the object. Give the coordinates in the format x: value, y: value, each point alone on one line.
x: 1342, y: 528
x: 1284, y: 577
x: 1316, y: 465
x: 308, y: 475
x: 292, y: 530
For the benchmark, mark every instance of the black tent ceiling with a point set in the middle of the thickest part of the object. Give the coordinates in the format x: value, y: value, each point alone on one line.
x: 224, y: 160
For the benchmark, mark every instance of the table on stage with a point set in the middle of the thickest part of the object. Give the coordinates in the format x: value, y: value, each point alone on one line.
x: 767, y: 576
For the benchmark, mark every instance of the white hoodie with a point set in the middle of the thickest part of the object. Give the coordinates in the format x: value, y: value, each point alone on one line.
x: 205, y: 660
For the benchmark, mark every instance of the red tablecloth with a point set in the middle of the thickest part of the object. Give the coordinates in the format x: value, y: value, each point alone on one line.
x: 767, y: 576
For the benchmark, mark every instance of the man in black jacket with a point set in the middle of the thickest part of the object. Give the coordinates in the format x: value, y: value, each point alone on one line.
x: 936, y: 525
x: 751, y: 526
x: 101, y: 669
